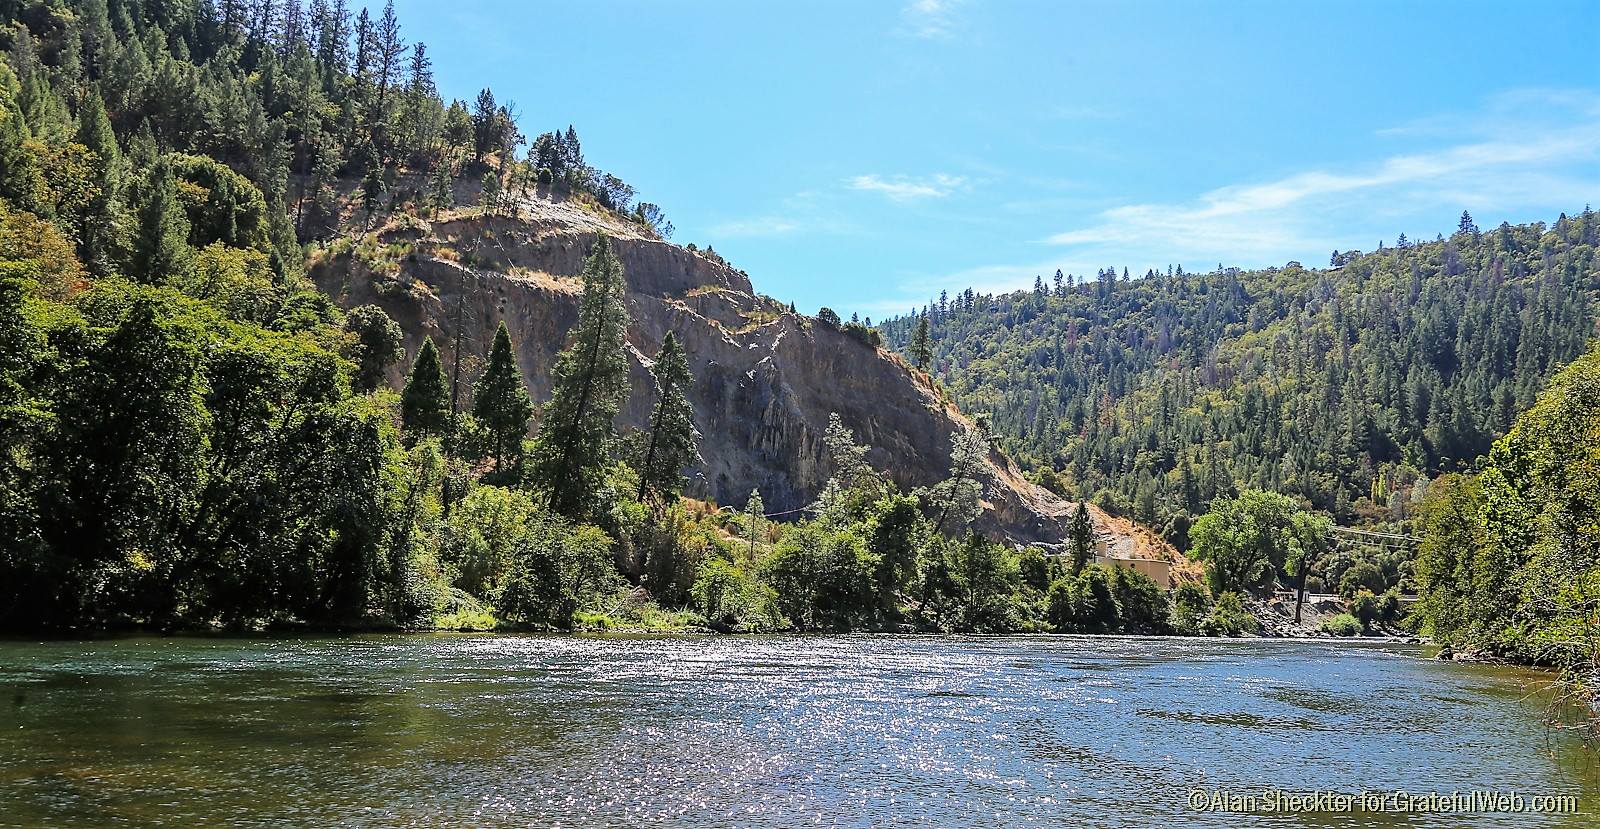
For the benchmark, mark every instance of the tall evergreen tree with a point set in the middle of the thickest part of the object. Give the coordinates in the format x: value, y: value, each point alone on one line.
x: 921, y: 351
x: 500, y: 402
x: 425, y: 402
x: 160, y: 248
x: 1080, y: 538
x: 670, y: 446
x: 590, y: 381
x: 97, y: 236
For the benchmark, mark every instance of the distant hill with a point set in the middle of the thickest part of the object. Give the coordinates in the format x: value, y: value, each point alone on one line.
x: 1344, y: 385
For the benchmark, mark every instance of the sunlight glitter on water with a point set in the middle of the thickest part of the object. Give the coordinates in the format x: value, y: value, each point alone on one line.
x: 731, y: 731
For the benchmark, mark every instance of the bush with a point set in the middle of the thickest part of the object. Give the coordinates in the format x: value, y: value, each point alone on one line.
x: 1389, y: 607
x: 734, y: 601
x: 560, y: 568
x: 1363, y: 575
x: 477, y: 545
x: 1084, y: 603
x: 1191, y: 604
x: 864, y: 335
x: 1229, y: 618
x: 1364, y: 606
x: 822, y: 576
x: 1342, y: 625
x: 1142, y: 602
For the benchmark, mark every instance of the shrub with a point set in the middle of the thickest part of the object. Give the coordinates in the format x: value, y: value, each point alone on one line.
x: 1191, y: 604
x: 1342, y: 625
x: 732, y: 600
x: 1229, y: 618
x: 1389, y: 606
x: 864, y: 335
x: 1362, y: 576
x: 1142, y: 602
x: 1364, y: 606
x: 1084, y: 603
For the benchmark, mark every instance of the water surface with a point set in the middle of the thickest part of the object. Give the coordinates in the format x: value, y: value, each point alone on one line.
x: 499, y: 731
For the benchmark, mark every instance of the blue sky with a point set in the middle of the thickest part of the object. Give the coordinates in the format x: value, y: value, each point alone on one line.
x: 866, y: 155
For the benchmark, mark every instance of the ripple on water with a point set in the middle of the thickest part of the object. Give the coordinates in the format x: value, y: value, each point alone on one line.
x: 495, y: 731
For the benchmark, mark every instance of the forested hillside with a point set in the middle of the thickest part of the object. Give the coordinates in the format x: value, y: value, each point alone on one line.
x: 193, y: 436
x: 1343, y: 385
x: 1510, y: 556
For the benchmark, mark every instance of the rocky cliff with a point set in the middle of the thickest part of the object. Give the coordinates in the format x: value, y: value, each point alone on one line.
x: 766, y: 380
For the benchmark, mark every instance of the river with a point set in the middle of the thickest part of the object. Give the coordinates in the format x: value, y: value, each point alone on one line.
x: 503, y: 731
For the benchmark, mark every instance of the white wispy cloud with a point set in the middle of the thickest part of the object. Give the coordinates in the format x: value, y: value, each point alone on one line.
x: 1524, y: 154
x: 931, y: 19
x: 908, y: 188
x: 1266, y: 222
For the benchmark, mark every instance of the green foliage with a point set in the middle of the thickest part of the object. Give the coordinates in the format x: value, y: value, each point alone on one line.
x: 221, y: 205
x: 501, y: 405
x: 1342, y: 624
x: 425, y: 401
x: 1363, y: 605
x: 822, y: 577
x: 376, y: 345
x: 559, y: 568
x: 1507, y: 560
x: 1342, y: 388
x: 1364, y: 576
x: 484, y: 538
x: 733, y: 600
x: 1229, y: 618
x: 1141, y: 603
x: 1080, y: 538
x: 669, y: 447
x: 1099, y: 599
x: 1191, y: 607
x: 1084, y: 603
x: 921, y: 351
x: 160, y: 248
x: 589, y: 384
x: 1246, y: 541
x: 894, y: 538
x: 985, y: 576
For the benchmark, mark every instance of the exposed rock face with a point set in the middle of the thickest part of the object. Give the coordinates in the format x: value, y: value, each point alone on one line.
x: 765, y: 380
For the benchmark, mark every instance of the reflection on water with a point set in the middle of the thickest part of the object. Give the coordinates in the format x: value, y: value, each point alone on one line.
x: 495, y: 731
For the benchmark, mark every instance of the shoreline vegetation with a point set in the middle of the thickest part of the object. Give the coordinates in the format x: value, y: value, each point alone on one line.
x: 192, y: 437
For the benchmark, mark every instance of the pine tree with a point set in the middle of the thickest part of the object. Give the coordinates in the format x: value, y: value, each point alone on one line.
x: 442, y: 196
x: 485, y: 118
x: 1080, y: 538
x: 491, y: 191
x: 755, y: 520
x: 388, y: 49
x: 500, y: 402
x: 921, y: 351
x: 672, y: 433
x: 97, y: 236
x: 590, y: 381
x: 425, y: 402
x: 373, y: 185
x: 160, y: 248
